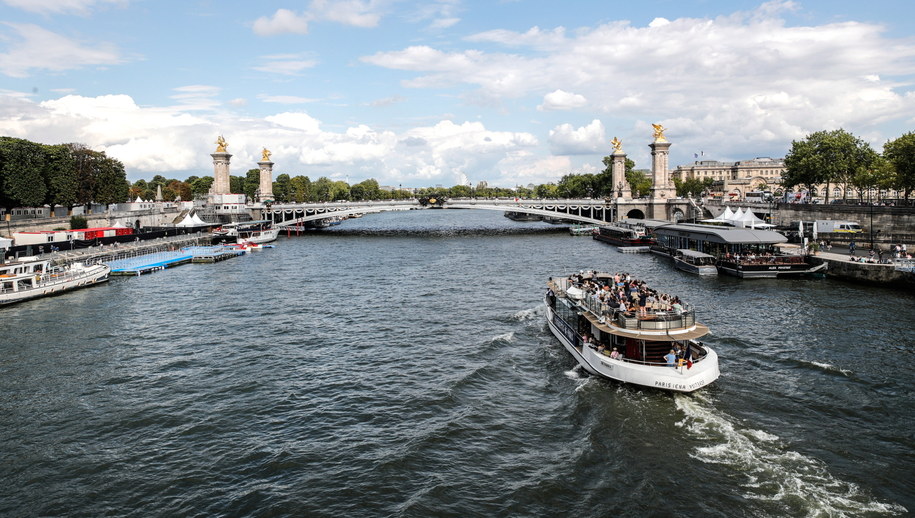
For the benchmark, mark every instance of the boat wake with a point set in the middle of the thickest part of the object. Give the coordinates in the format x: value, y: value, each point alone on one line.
x: 797, y: 484
x: 831, y: 368
x: 528, y: 314
x: 504, y: 337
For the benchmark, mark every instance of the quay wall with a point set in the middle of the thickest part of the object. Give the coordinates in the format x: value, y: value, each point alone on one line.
x: 885, y: 275
x: 146, y: 218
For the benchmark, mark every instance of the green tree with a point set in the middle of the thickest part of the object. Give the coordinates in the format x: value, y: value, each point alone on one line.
x: 61, y: 177
x: 301, y: 189
x: 546, y: 190
x: 111, y: 184
x: 640, y: 182
x: 237, y: 184
x: 900, y: 153
x: 692, y: 186
x: 201, y: 186
x: 826, y: 157
x: 282, y: 186
x: 252, y: 183
x: 22, y: 181
x: 321, y: 189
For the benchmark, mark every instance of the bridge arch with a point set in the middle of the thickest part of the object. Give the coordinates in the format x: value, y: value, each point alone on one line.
x: 635, y: 214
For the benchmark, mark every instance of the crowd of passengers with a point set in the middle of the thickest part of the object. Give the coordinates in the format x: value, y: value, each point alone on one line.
x: 623, y: 294
x: 764, y: 258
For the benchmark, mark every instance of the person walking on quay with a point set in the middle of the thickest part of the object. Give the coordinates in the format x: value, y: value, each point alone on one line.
x: 851, y: 247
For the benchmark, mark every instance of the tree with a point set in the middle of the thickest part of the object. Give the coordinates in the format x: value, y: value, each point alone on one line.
x: 111, y: 181
x: 301, y: 189
x: 900, y: 153
x: 236, y: 184
x: 201, y: 186
x: 826, y: 157
x: 640, y: 182
x: 252, y: 183
x: 321, y: 189
x: 22, y: 182
x: 692, y: 186
x: 60, y: 176
x: 282, y: 186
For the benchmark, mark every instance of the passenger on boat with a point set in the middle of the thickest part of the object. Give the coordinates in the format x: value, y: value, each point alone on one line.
x: 615, y: 354
x: 671, y: 358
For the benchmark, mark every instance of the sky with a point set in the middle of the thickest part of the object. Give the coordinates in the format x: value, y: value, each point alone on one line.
x: 449, y: 92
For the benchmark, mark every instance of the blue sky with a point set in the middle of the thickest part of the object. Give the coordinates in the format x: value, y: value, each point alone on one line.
x: 449, y: 92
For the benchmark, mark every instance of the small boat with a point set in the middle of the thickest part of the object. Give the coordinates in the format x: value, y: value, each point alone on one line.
x: 261, y: 231
x: 695, y: 262
x: 623, y: 234
x: 657, y: 349
x: 582, y: 230
x: 31, y: 278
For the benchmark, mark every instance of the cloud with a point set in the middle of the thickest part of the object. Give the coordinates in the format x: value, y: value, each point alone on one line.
x: 42, y: 49
x: 567, y: 140
x: 285, y: 64
x: 285, y: 99
x: 59, y: 6
x: 562, y: 100
x: 747, y: 80
x: 283, y: 21
x: 355, y: 13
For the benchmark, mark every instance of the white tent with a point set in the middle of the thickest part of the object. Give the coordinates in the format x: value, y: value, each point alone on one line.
x: 724, y: 217
x: 748, y: 219
x: 191, y: 220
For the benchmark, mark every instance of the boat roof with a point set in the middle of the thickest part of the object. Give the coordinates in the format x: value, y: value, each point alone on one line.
x: 725, y: 235
x: 247, y: 223
x: 693, y: 253
x: 671, y: 335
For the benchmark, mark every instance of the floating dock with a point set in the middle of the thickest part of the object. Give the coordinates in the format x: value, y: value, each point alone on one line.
x: 150, y: 262
x: 634, y: 249
x: 211, y: 254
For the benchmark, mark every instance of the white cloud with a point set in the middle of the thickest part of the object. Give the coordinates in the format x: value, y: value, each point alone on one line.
x: 356, y: 13
x: 39, y: 48
x: 59, y: 6
x: 562, y: 100
x: 283, y: 21
x: 568, y: 140
x: 748, y: 81
x: 286, y: 64
x: 285, y: 99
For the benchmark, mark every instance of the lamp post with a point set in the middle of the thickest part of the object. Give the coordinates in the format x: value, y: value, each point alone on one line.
x: 871, y: 226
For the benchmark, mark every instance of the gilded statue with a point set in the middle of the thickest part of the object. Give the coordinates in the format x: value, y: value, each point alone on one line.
x: 265, y: 155
x: 659, y: 132
x: 221, y: 145
x: 617, y: 144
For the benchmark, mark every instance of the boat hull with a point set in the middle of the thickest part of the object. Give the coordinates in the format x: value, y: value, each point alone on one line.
x: 679, y: 379
x: 87, y: 276
x: 705, y: 269
x: 769, y: 271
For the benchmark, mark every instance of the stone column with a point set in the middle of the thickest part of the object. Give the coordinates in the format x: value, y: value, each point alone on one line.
x: 221, y: 173
x: 266, y: 183
x: 661, y: 187
x: 618, y: 175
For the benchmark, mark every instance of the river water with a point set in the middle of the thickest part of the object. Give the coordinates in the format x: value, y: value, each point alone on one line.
x: 400, y: 365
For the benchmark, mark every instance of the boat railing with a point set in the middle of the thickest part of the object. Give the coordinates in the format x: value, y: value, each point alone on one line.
x: 655, y: 319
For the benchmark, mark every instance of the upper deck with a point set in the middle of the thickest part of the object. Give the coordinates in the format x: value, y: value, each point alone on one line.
x: 663, y: 318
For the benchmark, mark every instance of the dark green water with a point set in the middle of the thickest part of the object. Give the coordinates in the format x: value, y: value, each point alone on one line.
x: 399, y: 365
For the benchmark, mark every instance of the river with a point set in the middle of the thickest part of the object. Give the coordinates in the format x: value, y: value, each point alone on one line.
x: 400, y: 365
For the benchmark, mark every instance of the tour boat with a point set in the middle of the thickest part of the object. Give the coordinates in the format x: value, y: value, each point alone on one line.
x: 622, y: 234
x: 582, y: 230
x: 695, y: 262
x: 31, y: 278
x: 590, y: 331
x: 261, y: 231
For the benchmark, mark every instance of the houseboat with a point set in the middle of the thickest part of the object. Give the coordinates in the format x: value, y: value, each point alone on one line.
x: 657, y: 348
x: 624, y: 234
x: 742, y: 252
x: 30, y: 278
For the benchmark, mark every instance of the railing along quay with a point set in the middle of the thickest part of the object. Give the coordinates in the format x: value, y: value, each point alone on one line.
x: 117, y: 251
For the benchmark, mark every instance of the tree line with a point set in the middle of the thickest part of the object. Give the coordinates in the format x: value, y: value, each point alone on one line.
x: 838, y: 158
x: 67, y: 175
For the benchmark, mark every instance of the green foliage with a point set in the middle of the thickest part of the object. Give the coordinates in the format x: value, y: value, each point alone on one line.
x: 640, y: 182
x: 827, y: 157
x: 78, y: 222
x: 692, y: 186
x: 252, y: 183
x: 900, y: 154
x: 281, y: 188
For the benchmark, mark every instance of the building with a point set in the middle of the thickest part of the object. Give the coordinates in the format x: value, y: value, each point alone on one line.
x: 734, y: 179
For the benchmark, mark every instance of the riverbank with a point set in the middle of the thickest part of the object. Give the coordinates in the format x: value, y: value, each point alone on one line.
x: 840, y: 266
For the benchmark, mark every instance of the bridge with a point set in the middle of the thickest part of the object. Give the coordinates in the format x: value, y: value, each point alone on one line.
x: 582, y: 210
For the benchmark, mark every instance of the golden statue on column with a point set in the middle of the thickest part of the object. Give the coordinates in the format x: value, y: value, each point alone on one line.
x: 617, y: 145
x: 221, y: 145
x: 659, y: 133
x: 265, y: 155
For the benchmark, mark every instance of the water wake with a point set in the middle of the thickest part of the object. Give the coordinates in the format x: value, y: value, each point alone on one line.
x: 831, y: 368
x: 796, y: 483
x: 528, y: 314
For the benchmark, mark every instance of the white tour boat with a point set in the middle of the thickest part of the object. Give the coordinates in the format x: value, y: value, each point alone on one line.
x: 31, y: 278
x: 626, y: 346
